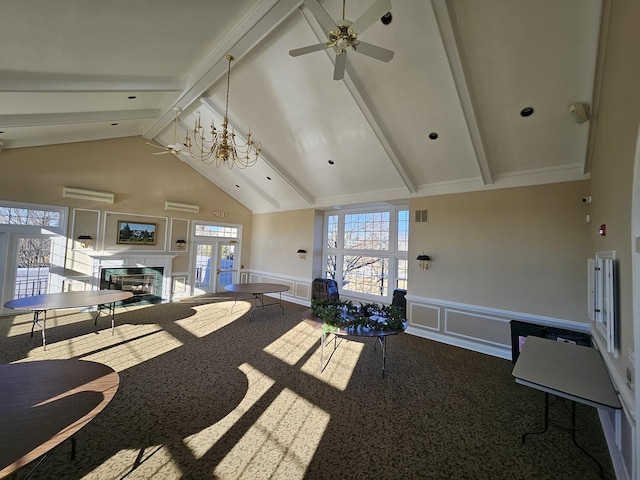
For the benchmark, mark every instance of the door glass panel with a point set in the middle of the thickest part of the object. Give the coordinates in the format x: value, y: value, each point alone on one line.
x: 33, y: 262
x: 226, y: 271
x: 203, y: 265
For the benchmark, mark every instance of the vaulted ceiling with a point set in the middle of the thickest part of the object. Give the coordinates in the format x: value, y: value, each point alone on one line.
x: 462, y: 71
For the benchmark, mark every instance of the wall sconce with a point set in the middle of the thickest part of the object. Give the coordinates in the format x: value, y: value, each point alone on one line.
x: 85, y: 240
x: 424, y: 260
x: 302, y: 253
x: 181, y: 244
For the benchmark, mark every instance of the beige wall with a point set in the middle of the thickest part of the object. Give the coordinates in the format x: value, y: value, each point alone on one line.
x: 618, y: 119
x: 276, y: 237
x: 522, y: 249
x: 612, y: 168
x: 141, y: 183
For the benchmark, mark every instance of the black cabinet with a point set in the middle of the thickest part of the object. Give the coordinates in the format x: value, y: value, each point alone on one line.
x: 520, y: 331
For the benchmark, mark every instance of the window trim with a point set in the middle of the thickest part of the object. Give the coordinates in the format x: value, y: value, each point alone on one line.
x: 392, y: 254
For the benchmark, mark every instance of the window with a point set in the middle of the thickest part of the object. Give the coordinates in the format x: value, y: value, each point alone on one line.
x: 602, y: 297
x: 218, y: 231
x: 366, y: 251
x: 29, y: 216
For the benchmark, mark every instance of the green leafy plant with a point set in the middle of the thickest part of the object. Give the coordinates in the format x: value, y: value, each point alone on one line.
x: 344, y: 314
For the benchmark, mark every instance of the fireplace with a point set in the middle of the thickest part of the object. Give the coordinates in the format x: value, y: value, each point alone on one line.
x: 147, y: 276
x: 141, y: 281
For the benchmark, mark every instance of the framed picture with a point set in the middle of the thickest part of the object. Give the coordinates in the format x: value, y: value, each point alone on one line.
x: 136, y: 233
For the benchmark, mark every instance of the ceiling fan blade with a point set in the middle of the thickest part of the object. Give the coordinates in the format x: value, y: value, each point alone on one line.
x: 369, y: 17
x: 324, y: 19
x: 304, y: 50
x: 157, y: 146
x: 341, y: 64
x: 161, y: 153
x: 374, y: 51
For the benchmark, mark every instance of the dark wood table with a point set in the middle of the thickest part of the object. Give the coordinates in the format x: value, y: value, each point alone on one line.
x: 258, y: 290
x: 325, y: 330
x: 43, y: 403
x: 574, y: 372
x: 67, y: 300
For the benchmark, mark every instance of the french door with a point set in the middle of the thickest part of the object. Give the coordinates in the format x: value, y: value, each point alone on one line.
x: 214, y: 266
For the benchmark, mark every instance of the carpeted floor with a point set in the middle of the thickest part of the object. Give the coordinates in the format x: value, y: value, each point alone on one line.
x: 206, y: 393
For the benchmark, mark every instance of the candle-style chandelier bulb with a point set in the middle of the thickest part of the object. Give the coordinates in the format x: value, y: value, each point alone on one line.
x: 220, y: 146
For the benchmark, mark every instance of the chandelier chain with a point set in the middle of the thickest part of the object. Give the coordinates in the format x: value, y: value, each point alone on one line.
x: 222, y: 147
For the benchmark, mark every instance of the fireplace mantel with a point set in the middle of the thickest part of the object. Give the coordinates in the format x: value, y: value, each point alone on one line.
x: 135, y: 259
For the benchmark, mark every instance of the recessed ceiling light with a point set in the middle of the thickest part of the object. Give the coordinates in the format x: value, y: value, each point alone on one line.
x: 114, y: 124
x: 433, y: 135
x: 331, y: 162
x: 526, y: 112
x: 386, y: 18
x: 268, y: 178
x: 131, y: 97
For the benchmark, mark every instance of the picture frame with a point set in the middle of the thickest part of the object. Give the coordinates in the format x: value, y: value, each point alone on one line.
x: 136, y: 233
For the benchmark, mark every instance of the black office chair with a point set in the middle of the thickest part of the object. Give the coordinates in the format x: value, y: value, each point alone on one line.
x: 325, y: 289
x: 399, y: 299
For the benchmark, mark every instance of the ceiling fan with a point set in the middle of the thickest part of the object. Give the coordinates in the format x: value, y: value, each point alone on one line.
x: 344, y: 34
x: 174, y: 147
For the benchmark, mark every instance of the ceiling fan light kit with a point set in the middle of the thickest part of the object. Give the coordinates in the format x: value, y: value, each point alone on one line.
x: 343, y: 34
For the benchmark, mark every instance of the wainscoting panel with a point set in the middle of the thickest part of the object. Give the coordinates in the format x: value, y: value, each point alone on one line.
x: 477, y: 327
x: 482, y: 329
x: 424, y: 316
x: 179, y: 285
x: 299, y: 288
x: 303, y: 290
x: 281, y: 281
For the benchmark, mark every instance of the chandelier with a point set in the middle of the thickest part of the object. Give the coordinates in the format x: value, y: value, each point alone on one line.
x: 221, y: 147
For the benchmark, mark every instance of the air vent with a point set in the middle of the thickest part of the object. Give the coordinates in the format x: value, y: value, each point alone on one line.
x: 84, y: 194
x: 421, y: 216
x: 181, y: 207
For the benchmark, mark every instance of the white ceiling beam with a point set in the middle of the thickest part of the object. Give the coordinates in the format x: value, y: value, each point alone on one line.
x: 33, y: 82
x: 257, y: 24
x: 67, y: 138
x: 605, y: 14
x: 450, y: 35
x: 264, y: 153
x: 40, y: 119
x: 366, y: 106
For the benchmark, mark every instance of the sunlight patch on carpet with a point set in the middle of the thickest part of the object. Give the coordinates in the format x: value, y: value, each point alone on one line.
x: 212, y: 317
x: 293, y: 345
x: 201, y: 442
x: 21, y: 324
x: 282, y: 442
x: 129, y: 346
x: 154, y: 461
x: 136, y: 351
x: 338, y: 363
